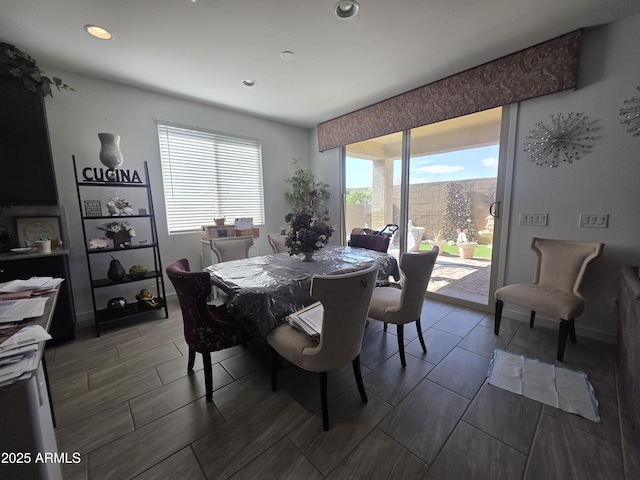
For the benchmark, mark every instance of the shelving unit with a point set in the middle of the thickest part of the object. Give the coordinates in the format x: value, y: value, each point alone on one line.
x: 100, y: 281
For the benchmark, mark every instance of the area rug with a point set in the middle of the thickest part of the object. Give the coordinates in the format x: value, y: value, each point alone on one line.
x: 553, y: 385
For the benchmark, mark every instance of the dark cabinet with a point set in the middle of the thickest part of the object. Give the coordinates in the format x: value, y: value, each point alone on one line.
x: 27, y: 175
x: 63, y: 323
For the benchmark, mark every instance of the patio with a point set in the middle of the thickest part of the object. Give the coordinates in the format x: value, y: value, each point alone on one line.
x: 467, y: 279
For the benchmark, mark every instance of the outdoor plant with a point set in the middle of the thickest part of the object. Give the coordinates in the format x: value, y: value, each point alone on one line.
x: 18, y: 66
x: 306, y: 191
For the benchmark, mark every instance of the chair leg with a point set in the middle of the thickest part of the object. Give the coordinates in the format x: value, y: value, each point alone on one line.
x: 192, y: 359
x: 274, y: 370
x: 572, y: 330
x: 385, y: 326
x: 208, y: 375
x: 323, y: 401
x: 532, y: 318
x: 562, y: 338
x: 358, y: 374
x: 403, y: 361
x: 497, y: 317
x: 420, y: 337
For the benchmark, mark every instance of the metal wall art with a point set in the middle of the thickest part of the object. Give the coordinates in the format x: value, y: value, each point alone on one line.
x: 563, y: 139
x: 632, y: 115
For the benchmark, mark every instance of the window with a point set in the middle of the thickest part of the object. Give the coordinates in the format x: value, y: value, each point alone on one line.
x: 207, y: 175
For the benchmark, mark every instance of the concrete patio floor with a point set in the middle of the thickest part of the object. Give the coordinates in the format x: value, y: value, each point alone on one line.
x: 466, y: 279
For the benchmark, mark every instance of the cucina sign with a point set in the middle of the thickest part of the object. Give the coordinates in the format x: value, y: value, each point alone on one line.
x: 93, y: 174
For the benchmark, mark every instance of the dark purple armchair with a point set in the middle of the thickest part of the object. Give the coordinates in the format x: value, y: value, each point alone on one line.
x: 206, y: 328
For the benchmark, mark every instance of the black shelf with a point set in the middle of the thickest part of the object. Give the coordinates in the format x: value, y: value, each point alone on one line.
x: 91, y: 251
x: 155, y: 273
x: 106, y: 282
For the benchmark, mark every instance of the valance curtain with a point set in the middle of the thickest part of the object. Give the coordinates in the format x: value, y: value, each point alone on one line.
x: 546, y: 68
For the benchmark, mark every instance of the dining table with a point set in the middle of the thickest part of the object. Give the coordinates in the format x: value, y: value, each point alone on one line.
x: 261, y: 291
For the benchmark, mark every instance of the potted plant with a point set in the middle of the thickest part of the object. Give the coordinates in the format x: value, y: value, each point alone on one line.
x: 466, y: 248
x: 306, y: 191
x: 17, y: 66
x: 438, y: 241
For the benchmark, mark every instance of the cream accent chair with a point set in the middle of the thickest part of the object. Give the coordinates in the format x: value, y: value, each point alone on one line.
x: 231, y: 248
x: 276, y: 241
x: 345, y: 299
x: 555, y: 289
x: 401, y: 306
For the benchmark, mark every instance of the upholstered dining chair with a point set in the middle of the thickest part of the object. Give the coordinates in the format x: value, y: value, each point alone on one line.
x: 345, y: 299
x: 379, y: 243
x: 276, y: 240
x: 231, y: 248
x: 556, y: 285
x: 206, y: 328
x: 402, y: 306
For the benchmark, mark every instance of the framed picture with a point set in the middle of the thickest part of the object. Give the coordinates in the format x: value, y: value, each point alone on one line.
x: 92, y: 208
x: 31, y: 229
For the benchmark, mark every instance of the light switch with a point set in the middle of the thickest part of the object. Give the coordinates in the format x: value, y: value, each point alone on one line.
x: 594, y: 220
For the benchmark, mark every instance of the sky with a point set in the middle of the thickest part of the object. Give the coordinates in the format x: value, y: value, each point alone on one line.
x: 473, y: 163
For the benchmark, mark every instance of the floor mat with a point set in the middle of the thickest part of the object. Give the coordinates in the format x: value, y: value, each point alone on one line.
x: 553, y: 385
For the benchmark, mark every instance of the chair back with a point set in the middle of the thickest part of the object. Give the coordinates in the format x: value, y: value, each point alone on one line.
x: 231, y: 248
x: 379, y: 243
x: 276, y: 241
x: 193, y: 289
x: 416, y: 269
x: 561, y: 263
x: 345, y: 299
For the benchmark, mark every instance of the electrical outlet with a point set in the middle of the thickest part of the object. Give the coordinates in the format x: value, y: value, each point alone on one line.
x: 594, y: 220
x: 533, y: 219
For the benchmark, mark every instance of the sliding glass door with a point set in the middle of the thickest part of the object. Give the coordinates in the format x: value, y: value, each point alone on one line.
x: 439, y: 183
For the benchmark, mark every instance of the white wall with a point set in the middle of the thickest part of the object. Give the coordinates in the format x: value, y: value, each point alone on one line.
x: 604, y: 181
x: 75, y: 118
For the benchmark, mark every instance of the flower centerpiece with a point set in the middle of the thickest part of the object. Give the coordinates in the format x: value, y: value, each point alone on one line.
x: 120, y: 232
x: 307, y: 233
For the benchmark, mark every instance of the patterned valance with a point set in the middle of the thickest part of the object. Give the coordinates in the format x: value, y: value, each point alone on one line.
x: 546, y: 68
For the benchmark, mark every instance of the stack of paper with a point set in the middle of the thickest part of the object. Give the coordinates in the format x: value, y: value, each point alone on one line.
x: 308, y: 320
x: 19, y: 351
x: 17, y: 310
x: 34, y: 283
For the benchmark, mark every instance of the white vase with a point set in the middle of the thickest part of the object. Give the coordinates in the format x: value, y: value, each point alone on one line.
x: 110, y: 154
x: 308, y: 257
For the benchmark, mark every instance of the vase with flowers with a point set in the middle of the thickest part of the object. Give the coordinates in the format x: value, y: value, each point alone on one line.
x: 307, y: 233
x: 119, y: 232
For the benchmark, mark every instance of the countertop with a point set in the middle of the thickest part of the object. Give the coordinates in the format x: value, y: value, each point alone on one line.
x: 21, y: 256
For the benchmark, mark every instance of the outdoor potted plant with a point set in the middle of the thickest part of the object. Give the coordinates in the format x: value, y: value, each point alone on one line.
x: 438, y: 241
x: 466, y: 249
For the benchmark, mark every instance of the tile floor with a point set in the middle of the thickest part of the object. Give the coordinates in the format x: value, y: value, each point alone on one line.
x: 126, y: 403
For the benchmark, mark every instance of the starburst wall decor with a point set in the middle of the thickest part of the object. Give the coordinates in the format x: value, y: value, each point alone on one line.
x: 564, y: 139
x: 632, y: 115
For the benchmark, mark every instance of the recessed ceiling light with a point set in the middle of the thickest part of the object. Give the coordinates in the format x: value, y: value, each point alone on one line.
x: 346, y: 9
x: 287, y: 55
x: 248, y: 82
x: 98, y: 32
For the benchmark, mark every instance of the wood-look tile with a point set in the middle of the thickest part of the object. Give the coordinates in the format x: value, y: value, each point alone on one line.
x: 75, y: 471
x: 81, y: 364
x: 68, y: 386
x: 461, y: 371
x: 230, y: 447
x: 438, y: 344
x: 282, y: 460
x: 149, y: 445
x: 102, y: 376
x: 428, y: 408
x: 459, y: 322
x: 563, y: 451
x: 163, y: 335
x: 94, y: 401
x: 377, y: 348
x: 167, y: 398
x: 379, y: 457
x: 245, y: 363
x: 391, y: 382
x: 508, y: 417
x: 180, y: 465
x: 95, y: 431
x: 609, y: 426
x: 72, y: 352
x: 350, y: 421
x: 471, y: 454
x: 483, y: 341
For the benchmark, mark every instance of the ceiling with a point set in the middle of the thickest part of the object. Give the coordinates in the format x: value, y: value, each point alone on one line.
x: 201, y: 50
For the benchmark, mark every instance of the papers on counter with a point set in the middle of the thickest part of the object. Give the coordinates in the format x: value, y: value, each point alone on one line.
x: 19, y: 352
x: 34, y: 283
x: 308, y: 320
x: 17, y: 310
